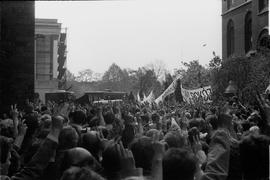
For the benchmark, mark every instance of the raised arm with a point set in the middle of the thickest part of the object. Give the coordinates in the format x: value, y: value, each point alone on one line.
x: 40, y: 160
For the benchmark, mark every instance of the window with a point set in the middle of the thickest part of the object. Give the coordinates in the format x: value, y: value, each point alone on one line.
x: 230, y: 38
x: 229, y: 4
x: 263, y: 4
x: 248, y: 32
x: 264, y: 40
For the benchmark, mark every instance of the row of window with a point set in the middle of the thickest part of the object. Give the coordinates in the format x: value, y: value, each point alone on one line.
x: 261, y: 6
x: 248, y: 35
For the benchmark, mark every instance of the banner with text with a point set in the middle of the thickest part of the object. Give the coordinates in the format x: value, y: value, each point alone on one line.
x: 203, y: 94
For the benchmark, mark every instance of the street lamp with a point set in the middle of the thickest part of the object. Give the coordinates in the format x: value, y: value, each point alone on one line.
x: 231, y: 90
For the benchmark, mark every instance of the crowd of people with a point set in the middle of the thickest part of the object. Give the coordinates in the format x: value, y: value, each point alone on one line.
x: 131, y: 141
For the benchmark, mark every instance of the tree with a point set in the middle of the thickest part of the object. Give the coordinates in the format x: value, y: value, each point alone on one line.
x: 97, y: 76
x: 194, y: 75
x: 70, y: 76
x: 159, y: 68
x: 215, y: 63
x: 249, y: 74
x: 146, y: 80
x: 113, y: 74
x: 85, y: 75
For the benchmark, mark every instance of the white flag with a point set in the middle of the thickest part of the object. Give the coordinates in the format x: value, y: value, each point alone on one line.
x: 168, y: 91
x: 138, y: 98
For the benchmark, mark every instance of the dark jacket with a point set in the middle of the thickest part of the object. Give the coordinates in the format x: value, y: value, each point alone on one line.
x: 39, y: 162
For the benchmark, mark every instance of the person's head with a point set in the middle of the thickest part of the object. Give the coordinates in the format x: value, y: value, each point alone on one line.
x: 143, y: 153
x: 254, y: 155
x: 45, y: 121
x: 174, y: 140
x: 111, y: 160
x: 145, y: 119
x: 128, y: 134
x: 213, y: 120
x: 224, y: 120
x: 188, y: 115
x: 109, y: 118
x: 5, y: 144
x: 32, y: 123
x: 29, y: 109
x: 78, y: 117
x: 155, y: 118
x: 68, y: 138
x: 91, y: 142
x: 151, y: 132
x: 179, y: 164
x: 77, y: 157
x: 80, y: 173
x: 195, y: 123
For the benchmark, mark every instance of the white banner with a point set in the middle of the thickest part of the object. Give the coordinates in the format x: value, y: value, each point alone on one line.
x: 202, y: 94
x: 168, y: 91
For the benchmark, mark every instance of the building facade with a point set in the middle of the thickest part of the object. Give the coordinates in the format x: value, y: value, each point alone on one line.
x: 245, y: 27
x: 17, y: 28
x: 48, y: 42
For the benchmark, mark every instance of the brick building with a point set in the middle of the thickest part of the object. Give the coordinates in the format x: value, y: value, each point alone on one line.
x: 244, y: 27
x: 17, y: 28
x: 48, y: 47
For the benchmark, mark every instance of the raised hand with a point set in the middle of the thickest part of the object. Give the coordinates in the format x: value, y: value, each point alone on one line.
x: 196, y: 145
x: 22, y: 128
x: 127, y: 159
x: 14, y: 111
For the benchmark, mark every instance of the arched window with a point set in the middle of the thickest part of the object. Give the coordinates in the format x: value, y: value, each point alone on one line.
x: 248, y: 32
x: 230, y: 38
x: 264, y: 40
x: 263, y: 4
x: 229, y: 4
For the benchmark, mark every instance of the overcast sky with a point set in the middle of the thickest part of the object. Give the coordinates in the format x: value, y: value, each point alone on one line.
x: 133, y: 33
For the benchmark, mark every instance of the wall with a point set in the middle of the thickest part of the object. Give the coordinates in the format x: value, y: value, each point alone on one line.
x: 17, y: 52
x: 237, y: 14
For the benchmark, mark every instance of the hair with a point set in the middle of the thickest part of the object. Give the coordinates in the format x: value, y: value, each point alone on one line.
x: 5, y: 145
x: 78, y: 117
x: 174, y: 140
x: 213, y: 120
x: 76, y: 157
x: 109, y: 118
x: 90, y: 142
x: 179, y: 164
x: 223, y: 119
x: 143, y: 153
x: 128, y: 135
x: 32, y: 124
x: 254, y: 155
x: 68, y: 138
x: 155, y: 117
x: 43, y: 108
x: 6, y: 131
x: 195, y: 123
x: 111, y: 161
x: 80, y: 173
